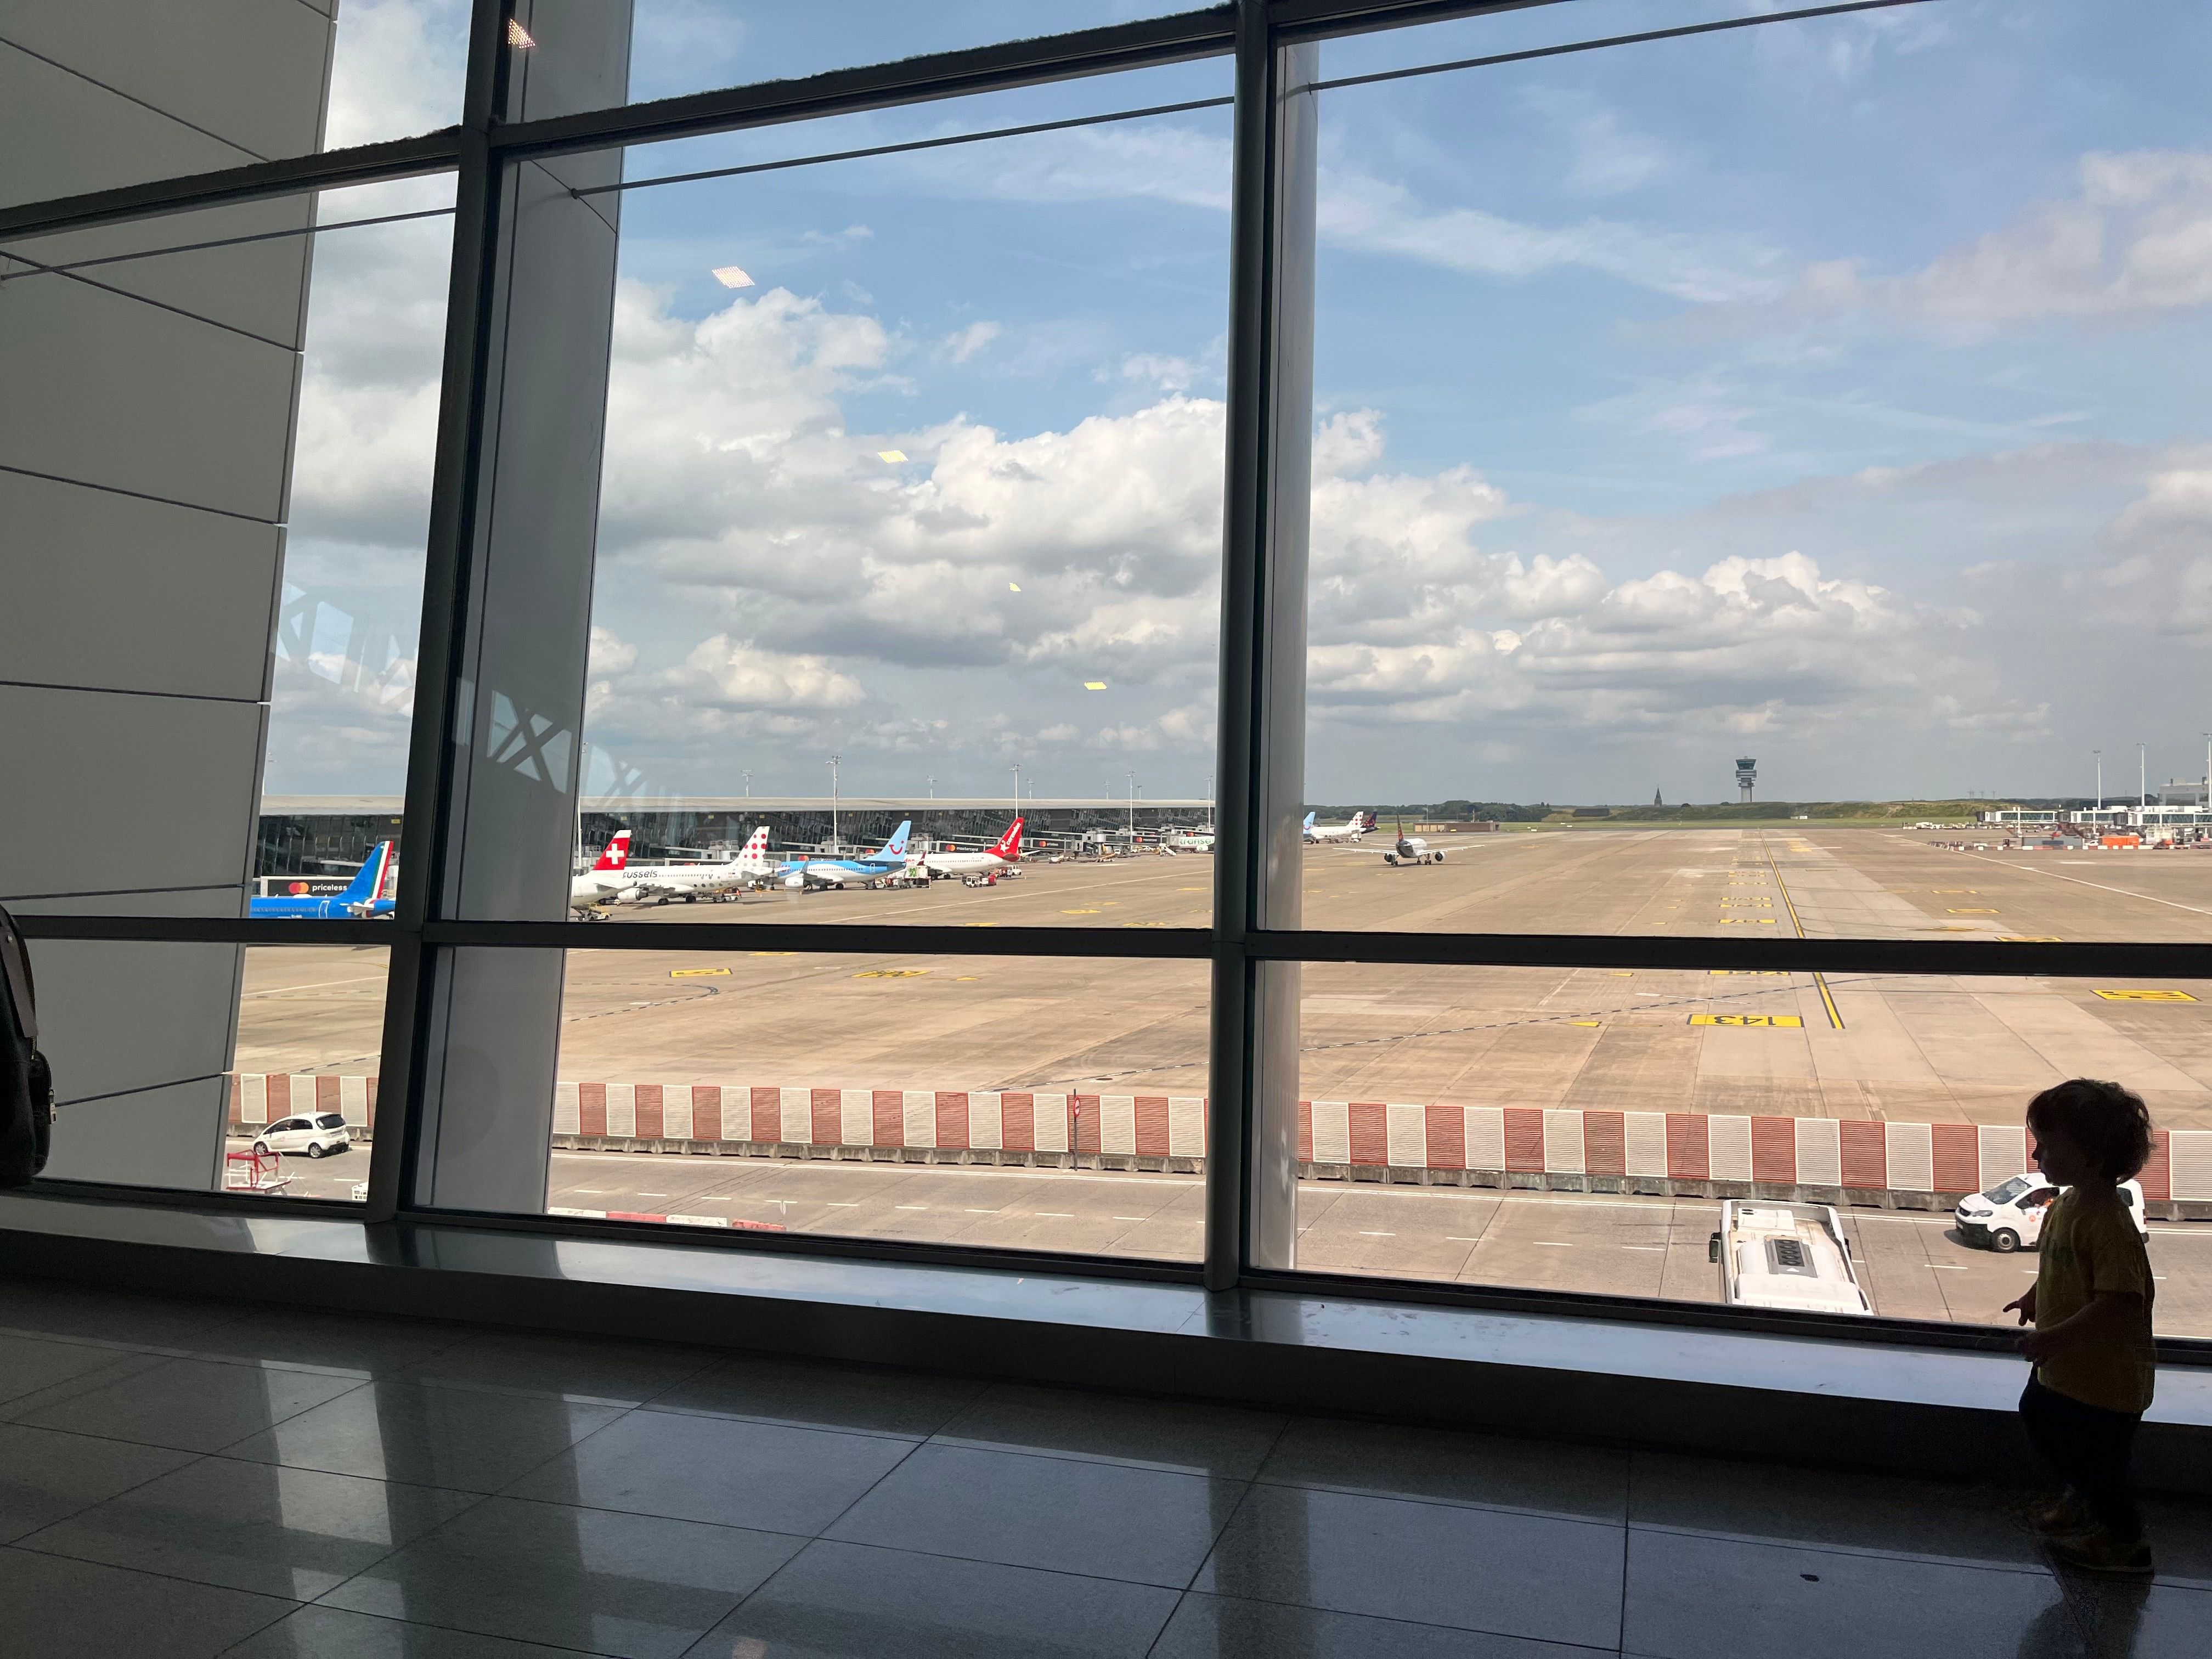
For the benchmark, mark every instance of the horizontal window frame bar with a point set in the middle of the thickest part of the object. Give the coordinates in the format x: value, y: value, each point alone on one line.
x: 302, y: 175
x: 832, y: 938
x: 206, y: 930
x: 213, y: 1200
x: 1880, y: 1329
x: 1525, y: 1301
x: 1002, y: 66
x: 845, y: 1246
x: 1907, y: 957
x: 1992, y: 959
x: 1295, y: 21
x: 1606, y: 43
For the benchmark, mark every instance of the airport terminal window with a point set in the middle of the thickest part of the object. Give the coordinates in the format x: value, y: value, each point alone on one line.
x: 910, y: 520
x: 1695, y: 511
x: 1665, y: 450
x: 990, y: 1102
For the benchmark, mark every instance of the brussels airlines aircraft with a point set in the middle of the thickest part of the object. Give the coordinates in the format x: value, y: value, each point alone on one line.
x: 604, y: 877
x: 866, y: 871
x: 750, y: 868
x: 1358, y: 825
x: 1007, y: 851
x: 364, y: 896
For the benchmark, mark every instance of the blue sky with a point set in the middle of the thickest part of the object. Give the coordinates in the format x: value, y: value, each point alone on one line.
x: 1795, y: 391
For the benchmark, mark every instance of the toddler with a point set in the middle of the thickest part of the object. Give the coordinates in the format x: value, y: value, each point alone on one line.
x: 2091, y: 1308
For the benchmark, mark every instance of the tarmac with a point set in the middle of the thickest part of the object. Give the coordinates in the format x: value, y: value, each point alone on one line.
x: 1931, y: 1048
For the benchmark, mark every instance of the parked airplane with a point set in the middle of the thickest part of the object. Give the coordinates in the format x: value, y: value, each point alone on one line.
x: 1410, y: 849
x: 1002, y: 854
x: 604, y: 879
x: 867, y: 870
x: 364, y: 896
x: 751, y: 867
x: 1358, y: 825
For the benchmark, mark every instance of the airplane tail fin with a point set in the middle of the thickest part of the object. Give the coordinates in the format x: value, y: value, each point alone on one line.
x: 895, y: 846
x: 367, y: 883
x: 1010, y: 844
x: 1308, y: 825
x: 755, y: 857
x: 616, y: 853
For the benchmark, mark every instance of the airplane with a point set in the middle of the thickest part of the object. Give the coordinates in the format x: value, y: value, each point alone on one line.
x: 604, y: 879
x: 1358, y: 825
x: 971, y: 867
x: 867, y: 870
x: 1410, y: 849
x: 751, y: 867
x: 364, y: 896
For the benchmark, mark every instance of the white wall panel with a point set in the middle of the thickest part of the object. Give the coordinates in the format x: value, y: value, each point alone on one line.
x: 250, y: 72
x: 259, y: 287
x: 117, y: 1015
x: 120, y: 593
x: 168, y: 782
x: 167, y: 1137
x: 67, y: 135
x: 131, y: 396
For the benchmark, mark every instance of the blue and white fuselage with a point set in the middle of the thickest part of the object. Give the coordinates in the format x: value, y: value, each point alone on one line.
x: 364, y: 896
x: 798, y: 874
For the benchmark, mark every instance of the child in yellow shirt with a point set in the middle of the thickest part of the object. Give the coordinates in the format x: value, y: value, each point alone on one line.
x: 2091, y: 1308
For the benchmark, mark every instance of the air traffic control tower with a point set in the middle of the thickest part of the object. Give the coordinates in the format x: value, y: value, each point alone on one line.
x: 1746, y: 773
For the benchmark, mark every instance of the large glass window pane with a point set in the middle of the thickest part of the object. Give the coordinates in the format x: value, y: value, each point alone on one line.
x: 1580, y: 1129
x: 212, y: 1066
x: 910, y: 511
x: 343, y: 666
x: 1675, y: 415
x: 1016, y: 1103
x: 99, y: 94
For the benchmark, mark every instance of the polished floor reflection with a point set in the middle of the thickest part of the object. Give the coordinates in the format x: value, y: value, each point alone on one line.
x: 190, y: 1478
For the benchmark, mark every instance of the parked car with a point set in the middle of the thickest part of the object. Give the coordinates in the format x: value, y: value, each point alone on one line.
x: 2009, y: 1216
x: 317, y: 1135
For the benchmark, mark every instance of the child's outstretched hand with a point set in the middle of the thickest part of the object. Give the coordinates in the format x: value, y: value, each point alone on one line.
x: 2024, y: 1305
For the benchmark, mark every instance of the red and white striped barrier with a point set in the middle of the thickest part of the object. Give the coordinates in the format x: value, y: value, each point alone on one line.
x: 268, y: 1098
x: 934, y: 1120
x: 1334, y: 1136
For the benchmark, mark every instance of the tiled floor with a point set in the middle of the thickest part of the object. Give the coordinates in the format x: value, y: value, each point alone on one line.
x: 185, y: 1480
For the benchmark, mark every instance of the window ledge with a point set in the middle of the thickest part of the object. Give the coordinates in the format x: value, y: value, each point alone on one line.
x: 1804, y: 1399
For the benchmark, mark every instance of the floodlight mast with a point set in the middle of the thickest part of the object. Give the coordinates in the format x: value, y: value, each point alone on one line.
x: 836, y: 842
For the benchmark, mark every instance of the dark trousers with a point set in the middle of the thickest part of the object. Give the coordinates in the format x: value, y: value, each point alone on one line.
x: 2087, y: 1447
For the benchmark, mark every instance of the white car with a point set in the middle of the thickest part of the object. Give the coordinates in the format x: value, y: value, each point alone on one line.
x: 2009, y: 1216
x: 317, y: 1135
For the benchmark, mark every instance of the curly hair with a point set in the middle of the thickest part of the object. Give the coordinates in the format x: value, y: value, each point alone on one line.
x: 2107, y: 1121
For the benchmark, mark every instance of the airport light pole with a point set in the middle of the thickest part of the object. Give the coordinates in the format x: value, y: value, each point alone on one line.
x: 749, y: 786
x: 835, y: 842
x: 2143, y: 777
x: 932, y: 789
x: 1133, y: 797
x: 2100, y: 819
x: 1017, y: 771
